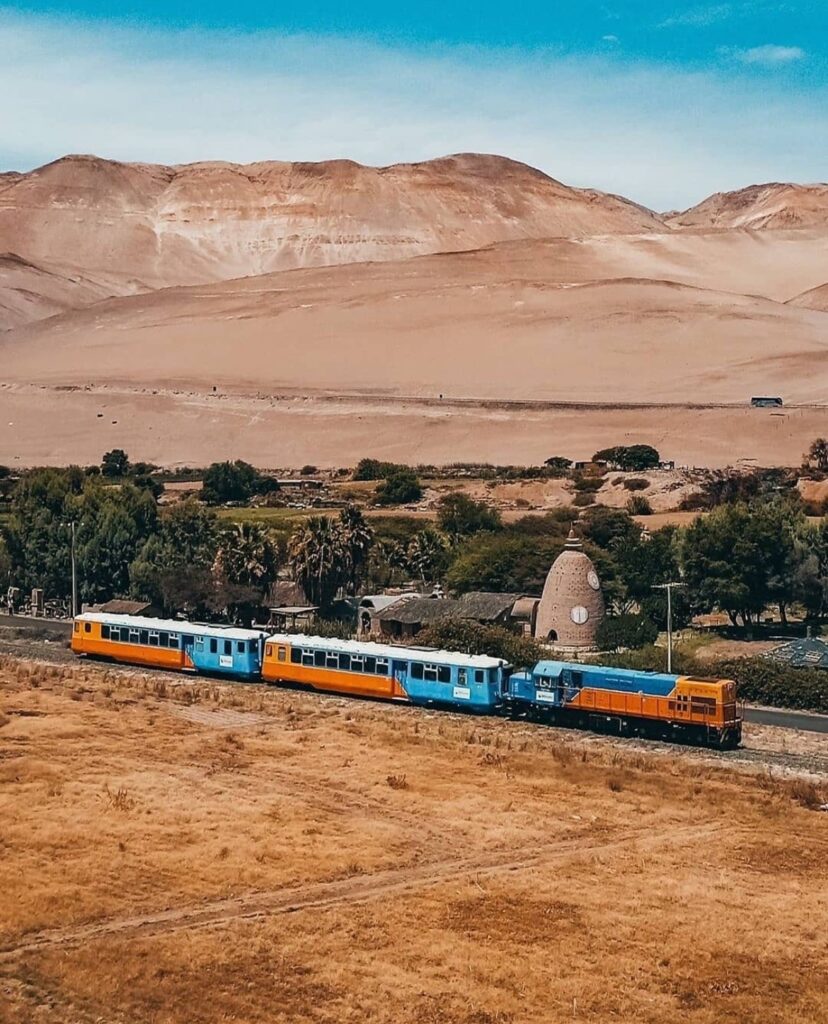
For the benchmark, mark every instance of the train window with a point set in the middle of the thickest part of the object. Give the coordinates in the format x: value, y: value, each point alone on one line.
x: 282, y: 653
x: 307, y: 658
x: 332, y: 659
x: 240, y: 646
x: 269, y: 651
x: 478, y: 675
x: 228, y: 646
x: 105, y: 632
x: 461, y: 676
x: 345, y: 662
x: 153, y: 639
x: 163, y: 639
x: 319, y: 659
x: 444, y: 674
x: 430, y: 673
x: 370, y: 664
x: 296, y: 655
x: 578, y: 679
x: 213, y: 645
x: 416, y: 670
x: 357, y: 663
x: 199, y: 641
x: 77, y: 627
x: 87, y: 627
x: 174, y: 640
x: 134, y: 638
x: 382, y: 666
x: 144, y: 636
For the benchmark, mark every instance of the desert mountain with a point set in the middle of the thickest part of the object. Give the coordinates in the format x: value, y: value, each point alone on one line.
x: 759, y: 206
x: 205, y: 222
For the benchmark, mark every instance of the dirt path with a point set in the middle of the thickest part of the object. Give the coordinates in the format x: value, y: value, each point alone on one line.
x: 351, y: 890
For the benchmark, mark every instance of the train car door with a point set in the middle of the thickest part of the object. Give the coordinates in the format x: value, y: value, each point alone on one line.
x: 399, y: 670
x: 187, y: 643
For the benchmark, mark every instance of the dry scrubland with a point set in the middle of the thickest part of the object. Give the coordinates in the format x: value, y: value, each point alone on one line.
x: 193, y: 852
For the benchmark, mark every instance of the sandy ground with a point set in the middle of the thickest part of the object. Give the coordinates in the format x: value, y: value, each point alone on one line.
x: 195, y: 853
x: 54, y: 426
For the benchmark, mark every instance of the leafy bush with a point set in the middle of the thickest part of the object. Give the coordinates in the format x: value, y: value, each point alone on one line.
x: 115, y: 464
x: 458, y: 515
x: 473, y: 638
x: 399, y: 487
x: 235, y: 481
x: 588, y: 484
x: 638, y: 505
x: 763, y: 681
x: 636, y: 483
x: 373, y: 469
x: 633, y: 457
x: 627, y: 630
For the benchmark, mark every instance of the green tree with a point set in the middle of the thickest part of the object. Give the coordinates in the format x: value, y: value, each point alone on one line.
x: 632, y: 458
x: 115, y: 464
x: 246, y: 557
x: 817, y: 455
x: 627, y: 630
x: 234, y: 481
x: 426, y: 555
x: 458, y: 515
x: 317, y: 559
x: 374, y: 469
x: 558, y: 465
x: 400, y: 487
x: 472, y: 638
x: 605, y: 526
x: 357, y: 540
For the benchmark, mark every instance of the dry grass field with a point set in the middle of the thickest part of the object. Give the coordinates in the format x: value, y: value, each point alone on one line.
x: 187, y: 852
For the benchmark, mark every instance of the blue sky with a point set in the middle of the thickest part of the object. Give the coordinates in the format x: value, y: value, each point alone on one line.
x: 663, y: 102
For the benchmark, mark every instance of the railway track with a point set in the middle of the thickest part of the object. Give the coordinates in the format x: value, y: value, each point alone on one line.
x: 54, y: 651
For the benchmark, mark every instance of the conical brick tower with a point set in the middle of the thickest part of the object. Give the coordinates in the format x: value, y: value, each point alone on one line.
x: 572, y: 606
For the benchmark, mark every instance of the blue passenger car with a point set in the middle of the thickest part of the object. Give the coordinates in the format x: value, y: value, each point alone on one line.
x: 224, y: 650
x: 446, y: 677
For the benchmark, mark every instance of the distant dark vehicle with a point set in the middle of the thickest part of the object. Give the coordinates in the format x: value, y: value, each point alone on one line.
x: 766, y: 403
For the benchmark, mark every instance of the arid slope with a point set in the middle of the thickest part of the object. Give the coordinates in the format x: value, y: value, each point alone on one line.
x: 204, y: 222
x: 759, y: 206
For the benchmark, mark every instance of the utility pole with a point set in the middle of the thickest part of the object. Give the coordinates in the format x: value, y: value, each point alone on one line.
x: 72, y: 526
x: 669, y: 588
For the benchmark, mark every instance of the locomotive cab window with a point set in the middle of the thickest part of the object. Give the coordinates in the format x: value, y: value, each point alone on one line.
x: 87, y: 627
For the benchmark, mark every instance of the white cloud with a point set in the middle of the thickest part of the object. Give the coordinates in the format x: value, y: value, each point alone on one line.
x: 771, y: 54
x: 699, y: 17
x: 661, y: 136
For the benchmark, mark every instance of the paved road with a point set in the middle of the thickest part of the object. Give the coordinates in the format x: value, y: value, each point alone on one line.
x: 787, y: 719
x: 60, y: 627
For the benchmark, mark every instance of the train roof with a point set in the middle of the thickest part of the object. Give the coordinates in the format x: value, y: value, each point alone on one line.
x: 387, y: 650
x: 554, y: 667
x: 173, y: 626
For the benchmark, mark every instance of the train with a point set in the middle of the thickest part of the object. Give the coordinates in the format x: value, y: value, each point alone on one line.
x: 624, y: 702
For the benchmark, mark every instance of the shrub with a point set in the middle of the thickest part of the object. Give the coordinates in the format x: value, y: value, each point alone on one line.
x: 458, y: 515
x: 308, y: 470
x: 583, y: 500
x: 373, y: 469
x: 399, y: 487
x: 588, y: 484
x: 638, y: 505
x: 636, y: 483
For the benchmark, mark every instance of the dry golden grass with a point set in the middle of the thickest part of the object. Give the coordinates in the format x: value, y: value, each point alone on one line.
x: 179, y: 852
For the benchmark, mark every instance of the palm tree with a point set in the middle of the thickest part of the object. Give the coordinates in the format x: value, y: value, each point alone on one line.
x: 247, y: 556
x: 318, y: 559
x: 426, y: 554
x: 357, y: 538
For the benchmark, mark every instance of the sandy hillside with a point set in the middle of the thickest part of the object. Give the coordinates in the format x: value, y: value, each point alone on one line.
x: 491, y: 325
x: 205, y: 852
x: 759, y: 206
x: 32, y: 291
x: 211, y: 221
x: 814, y: 298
